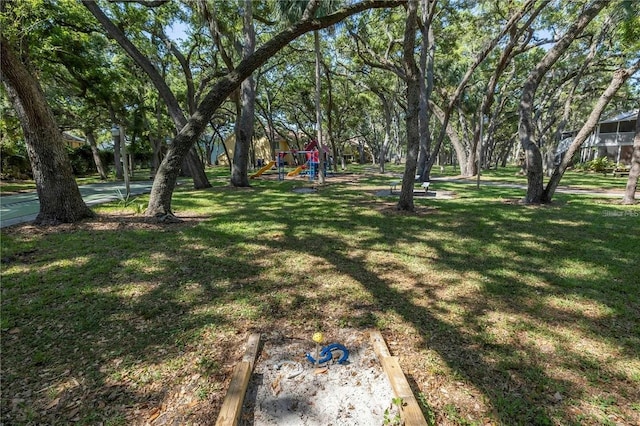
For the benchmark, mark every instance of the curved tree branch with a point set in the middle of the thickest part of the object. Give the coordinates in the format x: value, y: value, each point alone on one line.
x: 147, y: 3
x: 143, y: 62
x: 164, y: 184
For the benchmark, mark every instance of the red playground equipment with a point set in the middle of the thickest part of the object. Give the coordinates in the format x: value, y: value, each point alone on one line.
x: 310, y: 167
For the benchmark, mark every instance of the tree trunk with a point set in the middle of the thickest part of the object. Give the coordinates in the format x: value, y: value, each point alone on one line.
x: 60, y: 199
x: 226, y: 152
x: 320, y: 171
x: 533, y: 157
x: 634, y: 173
x: 164, y: 184
x: 156, y: 156
x: 271, y: 128
x: 503, y: 157
x: 156, y: 142
x: 461, y: 155
x: 386, y: 109
x: 387, y: 134
x: 117, y: 159
x: 427, y: 53
x: 192, y: 162
x: 196, y: 169
x: 619, y: 78
x: 96, y: 154
x: 244, y: 133
x: 413, y: 106
x: 209, y: 150
x: 330, y: 133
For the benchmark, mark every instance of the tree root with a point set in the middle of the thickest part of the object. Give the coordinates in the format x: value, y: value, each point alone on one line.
x: 52, y: 219
x: 167, y: 218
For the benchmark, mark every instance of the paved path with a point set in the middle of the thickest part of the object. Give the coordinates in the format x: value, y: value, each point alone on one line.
x: 24, y: 207
x: 563, y: 190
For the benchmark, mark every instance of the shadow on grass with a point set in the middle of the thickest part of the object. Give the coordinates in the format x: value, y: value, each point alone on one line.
x: 518, y: 280
x: 514, y: 379
x: 95, y: 329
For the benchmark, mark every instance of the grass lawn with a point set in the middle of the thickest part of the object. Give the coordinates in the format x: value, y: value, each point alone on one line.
x: 8, y: 187
x: 572, y: 179
x: 499, y: 313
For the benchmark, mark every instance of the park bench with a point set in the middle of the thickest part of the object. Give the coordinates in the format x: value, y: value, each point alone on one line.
x: 620, y: 172
x: 615, y: 172
x: 394, y: 184
x: 607, y: 171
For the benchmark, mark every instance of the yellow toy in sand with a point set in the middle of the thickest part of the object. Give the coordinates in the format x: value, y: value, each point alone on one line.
x: 318, y: 337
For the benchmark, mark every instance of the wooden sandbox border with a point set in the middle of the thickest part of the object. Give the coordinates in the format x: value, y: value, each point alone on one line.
x: 232, y: 405
x: 410, y: 410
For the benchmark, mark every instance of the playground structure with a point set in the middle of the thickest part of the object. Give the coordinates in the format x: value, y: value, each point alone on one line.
x: 263, y: 169
x: 308, y: 168
x: 306, y: 163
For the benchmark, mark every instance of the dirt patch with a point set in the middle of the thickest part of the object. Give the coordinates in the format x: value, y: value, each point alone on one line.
x: 286, y: 388
x: 305, y: 190
x: 106, y: 222
x: 332, y: 178
x: 391, y: 209
x: 440, y: 195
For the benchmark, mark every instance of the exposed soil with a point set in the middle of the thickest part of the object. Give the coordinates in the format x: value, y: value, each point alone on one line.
x: 340, y: 177
x: 441, y: 195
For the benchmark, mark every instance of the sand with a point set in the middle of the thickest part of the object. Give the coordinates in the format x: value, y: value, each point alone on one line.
x: 287, y: 389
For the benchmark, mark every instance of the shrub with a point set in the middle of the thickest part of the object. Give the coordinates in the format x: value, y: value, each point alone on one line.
x: 598, y: 165
x: 81, y: 160
x: 15, y: 162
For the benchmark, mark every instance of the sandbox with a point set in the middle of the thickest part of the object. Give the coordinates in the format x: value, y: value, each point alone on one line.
x: 277, y: 384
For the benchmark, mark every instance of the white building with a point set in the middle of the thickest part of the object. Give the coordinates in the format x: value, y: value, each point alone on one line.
x: 612, y: 138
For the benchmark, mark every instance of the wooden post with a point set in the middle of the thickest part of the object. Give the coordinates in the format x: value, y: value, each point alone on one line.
x: 232, y: 405
x: 410, y: 411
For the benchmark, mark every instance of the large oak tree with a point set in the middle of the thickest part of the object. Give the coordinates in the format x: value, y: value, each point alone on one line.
x: 60, y: 199
x: 619, y: 78
x: 190, y: 159
x: 412, y: 74
x: 634, y: 172
x: 164, y: 183
x: 526, y: 129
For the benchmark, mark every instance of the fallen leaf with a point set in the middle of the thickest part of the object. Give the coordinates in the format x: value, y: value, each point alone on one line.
x: 73, y: 413
x: 154, y: 415
x: 53, y: 403
x: 275, y: 388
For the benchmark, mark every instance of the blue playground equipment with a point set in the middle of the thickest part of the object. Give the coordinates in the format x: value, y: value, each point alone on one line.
x: 311, y: 156
x: 310, y: 168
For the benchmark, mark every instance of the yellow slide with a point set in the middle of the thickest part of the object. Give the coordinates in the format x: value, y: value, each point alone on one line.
x: 296, y: 171
x: 269, y: 165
